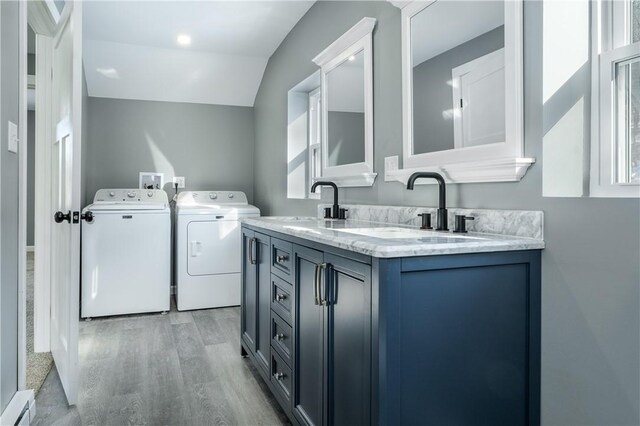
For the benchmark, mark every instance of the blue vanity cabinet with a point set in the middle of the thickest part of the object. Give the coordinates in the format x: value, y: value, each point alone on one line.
x: 332, y: 339
x: 256, y: 297
x: 430, y: 340
x: 458, y: 339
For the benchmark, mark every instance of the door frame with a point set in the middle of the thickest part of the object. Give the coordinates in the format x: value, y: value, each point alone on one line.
x: 43, y: 18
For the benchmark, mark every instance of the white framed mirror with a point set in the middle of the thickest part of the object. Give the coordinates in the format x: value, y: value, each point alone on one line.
x: 346, y: 75
x: 462, y: 94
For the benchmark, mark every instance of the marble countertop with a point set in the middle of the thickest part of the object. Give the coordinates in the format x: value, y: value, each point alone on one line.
x: 388, y: 240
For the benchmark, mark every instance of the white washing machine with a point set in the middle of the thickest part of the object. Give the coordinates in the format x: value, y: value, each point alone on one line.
x: 126, y: 253
x: 208, y: 248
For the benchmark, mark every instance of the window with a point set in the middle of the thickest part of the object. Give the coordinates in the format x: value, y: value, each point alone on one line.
x: 315, y: 139
x: 615, y: 170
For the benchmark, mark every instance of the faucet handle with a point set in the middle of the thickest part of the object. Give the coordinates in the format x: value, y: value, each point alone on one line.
x: 342, y: 213
x: 426, y: 220
x: 460, y: 225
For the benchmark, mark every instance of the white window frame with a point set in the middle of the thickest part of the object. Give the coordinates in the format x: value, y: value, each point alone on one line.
x: 609, y: 29
x: 315, y: 141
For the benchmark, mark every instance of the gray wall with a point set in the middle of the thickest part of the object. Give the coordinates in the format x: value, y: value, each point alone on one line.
x: 591, y: 278
x: 345, y: 137
x: 433, y: 92
x: 9, y: 110
x: 210, y: 145
x: 31, y: 171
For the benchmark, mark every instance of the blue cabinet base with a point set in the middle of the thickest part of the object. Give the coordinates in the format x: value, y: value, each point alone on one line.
x: 454, y: 340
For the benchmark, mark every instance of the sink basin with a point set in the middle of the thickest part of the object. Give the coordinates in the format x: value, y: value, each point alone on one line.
x: 397, y: 233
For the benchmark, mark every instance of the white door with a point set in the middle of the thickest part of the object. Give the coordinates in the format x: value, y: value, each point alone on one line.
x: 479, y: 101
x: 65, y: 180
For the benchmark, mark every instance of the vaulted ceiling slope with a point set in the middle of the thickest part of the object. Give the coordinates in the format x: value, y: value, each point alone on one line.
x: 131, y: 50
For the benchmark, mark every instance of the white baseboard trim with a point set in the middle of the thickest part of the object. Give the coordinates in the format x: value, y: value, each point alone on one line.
x: 31, y: 249
x: 22, y: 403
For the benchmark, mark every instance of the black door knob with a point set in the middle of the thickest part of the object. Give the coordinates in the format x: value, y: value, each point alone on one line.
x: 60, y: 217
x: 88, y: 216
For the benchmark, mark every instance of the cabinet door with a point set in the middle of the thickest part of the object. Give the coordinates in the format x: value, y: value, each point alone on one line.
x: 249, y: 290
x: 308, y: 401
x: 348, y: 350
x: 263, y: 307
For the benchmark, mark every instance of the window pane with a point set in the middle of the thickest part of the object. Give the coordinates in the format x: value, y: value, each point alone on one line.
x: 635, y: 20
x: 627, y: 120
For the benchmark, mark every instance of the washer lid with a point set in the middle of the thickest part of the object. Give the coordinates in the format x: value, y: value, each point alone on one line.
x: 129, y: 199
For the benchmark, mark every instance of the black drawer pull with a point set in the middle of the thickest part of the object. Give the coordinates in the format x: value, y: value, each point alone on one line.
x: 281, y: 258
x: 281, y: 297
x: 279, y: 376
x: 279, y: 337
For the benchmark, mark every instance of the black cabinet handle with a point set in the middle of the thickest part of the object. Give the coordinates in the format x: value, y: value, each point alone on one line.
x: 251, y: 246
x: 323, y: 277
x: 316, y: 280
x: 60, y: 217
x: 279, y: 337
x: 281, y: 258
x: 279, y: 376
x: 280, y: 297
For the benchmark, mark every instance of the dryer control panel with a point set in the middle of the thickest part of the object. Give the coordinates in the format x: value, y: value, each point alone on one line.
x: 131, y: 196
x: 212, y: 197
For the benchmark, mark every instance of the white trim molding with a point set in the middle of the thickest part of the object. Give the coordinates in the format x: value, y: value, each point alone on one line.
x: 358, y: 39
x: 495, y: 162
x: 22, y: 404
x: 362, y: 179
x: 499, y: 170
x: 43, y: 211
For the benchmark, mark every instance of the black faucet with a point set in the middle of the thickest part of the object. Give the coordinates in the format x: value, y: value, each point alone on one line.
x: 442, y: 207
x: 335, y: 210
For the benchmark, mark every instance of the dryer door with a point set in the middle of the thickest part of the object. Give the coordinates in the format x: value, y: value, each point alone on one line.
x: 213, y: 247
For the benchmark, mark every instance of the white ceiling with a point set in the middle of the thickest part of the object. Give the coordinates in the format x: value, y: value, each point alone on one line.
x: 131, y: 50
x: 446, y: 24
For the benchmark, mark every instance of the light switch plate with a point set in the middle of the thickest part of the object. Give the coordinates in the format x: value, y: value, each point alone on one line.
x: 13, y: 137
x: 391, y: 164
x: 179, y: 180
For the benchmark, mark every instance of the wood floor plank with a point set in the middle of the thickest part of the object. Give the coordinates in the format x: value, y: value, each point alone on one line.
x: 209, y: 405
x: 157, y: 370
x: 208, y: 326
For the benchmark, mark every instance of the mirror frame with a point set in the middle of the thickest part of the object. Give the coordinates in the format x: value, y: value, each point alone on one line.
x: 496, y: 162
x: 358, y: 38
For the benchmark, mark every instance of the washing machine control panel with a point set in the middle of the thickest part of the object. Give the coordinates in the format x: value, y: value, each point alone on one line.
x: 212, y: 197
x: 131, y: 196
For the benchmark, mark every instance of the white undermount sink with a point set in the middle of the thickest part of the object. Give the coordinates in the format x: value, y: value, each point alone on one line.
x: 396, y: 233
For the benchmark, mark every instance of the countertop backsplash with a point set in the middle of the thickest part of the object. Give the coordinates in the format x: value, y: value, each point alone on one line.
x: 518, y: 223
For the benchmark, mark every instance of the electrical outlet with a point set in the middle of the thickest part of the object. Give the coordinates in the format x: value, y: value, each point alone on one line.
x: 179, y: 180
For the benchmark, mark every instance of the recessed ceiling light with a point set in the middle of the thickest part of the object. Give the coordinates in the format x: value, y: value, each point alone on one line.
x: 184, y: 39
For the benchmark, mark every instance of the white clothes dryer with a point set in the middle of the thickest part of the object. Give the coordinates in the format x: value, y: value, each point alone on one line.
x: 208, y: 248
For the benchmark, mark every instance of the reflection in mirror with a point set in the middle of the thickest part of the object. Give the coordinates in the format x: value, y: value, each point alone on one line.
x: 345, y: 112
x: 458, y: 79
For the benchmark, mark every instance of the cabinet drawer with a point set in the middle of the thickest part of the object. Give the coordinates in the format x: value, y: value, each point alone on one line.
x: 281, y: 334
x: 281, y: 297
x: 281, y: 378
x: 281, y: 255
